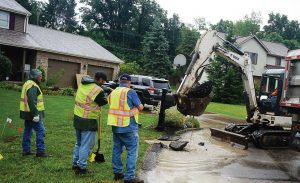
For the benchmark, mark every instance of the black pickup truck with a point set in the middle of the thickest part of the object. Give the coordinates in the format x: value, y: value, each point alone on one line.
x: 149, y: 89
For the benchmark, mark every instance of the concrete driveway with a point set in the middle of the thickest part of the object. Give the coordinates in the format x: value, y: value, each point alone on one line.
x: 218, y: 162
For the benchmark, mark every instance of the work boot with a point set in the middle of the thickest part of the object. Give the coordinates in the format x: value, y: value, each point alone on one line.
x: 75, y: 167
x: 118, y: 176
x: 27, y: 153
x: 43, y: 155
x: 135, y: 180
x: 82, y: 171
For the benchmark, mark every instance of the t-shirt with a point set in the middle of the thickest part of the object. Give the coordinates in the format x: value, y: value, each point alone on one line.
x: 133, y: 101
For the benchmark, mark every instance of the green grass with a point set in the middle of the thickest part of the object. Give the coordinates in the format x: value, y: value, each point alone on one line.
x: 237, y: 111
x: 59, y: 140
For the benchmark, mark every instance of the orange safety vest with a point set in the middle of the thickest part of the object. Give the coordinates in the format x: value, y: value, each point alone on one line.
x: 85, y: 107
x: 119, y: 111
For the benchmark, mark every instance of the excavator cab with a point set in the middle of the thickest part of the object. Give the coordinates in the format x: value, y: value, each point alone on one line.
x: 270, y: 93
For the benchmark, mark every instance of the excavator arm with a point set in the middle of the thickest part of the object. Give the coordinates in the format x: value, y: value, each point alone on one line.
x: 192, y: 97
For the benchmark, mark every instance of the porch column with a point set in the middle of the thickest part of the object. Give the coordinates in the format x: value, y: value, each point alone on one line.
x: 23, y: 64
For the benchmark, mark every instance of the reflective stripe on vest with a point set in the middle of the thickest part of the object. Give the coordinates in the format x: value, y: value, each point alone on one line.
x: 85, y: 106
x: 119, y: 111
x: 24, y: 100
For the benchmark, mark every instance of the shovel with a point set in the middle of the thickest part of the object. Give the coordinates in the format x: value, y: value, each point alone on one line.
x: 96, y: 156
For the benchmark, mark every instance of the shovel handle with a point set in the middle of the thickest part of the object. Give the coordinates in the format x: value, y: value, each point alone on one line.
x: 99, y: 126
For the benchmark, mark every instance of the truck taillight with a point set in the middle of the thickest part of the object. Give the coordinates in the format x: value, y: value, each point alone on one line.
x: 151, y: 90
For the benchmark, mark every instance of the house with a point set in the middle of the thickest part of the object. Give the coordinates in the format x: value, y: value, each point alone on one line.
x: 264, y: 54
x: 30, y: 46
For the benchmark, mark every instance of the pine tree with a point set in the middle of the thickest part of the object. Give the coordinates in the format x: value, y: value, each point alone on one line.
x: 155, y: 49
x: 227, y: 81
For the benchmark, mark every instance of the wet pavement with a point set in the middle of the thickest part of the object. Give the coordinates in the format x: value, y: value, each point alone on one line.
x: 218, y: 162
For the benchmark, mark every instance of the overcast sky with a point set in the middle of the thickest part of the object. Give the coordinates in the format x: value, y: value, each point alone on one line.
x: 214, y: 10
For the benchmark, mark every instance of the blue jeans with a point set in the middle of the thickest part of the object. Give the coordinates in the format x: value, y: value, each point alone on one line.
x: 40, y: 133
x: 85, y: 141
x: 131, y: 141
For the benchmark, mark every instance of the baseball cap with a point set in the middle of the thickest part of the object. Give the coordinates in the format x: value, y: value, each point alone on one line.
x: 34, y: 73
x: 125, y: 77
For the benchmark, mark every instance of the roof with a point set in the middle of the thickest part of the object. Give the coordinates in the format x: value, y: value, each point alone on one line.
x: 53, y: 41
x: 275, y: 49
x: 13, y: 6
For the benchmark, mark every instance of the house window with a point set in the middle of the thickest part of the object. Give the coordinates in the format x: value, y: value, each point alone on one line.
x: 4, y: 20
x: 278, y: 61
x: 253, y: 57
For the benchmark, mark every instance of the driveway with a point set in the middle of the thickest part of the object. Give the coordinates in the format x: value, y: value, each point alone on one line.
x: 218, y: 162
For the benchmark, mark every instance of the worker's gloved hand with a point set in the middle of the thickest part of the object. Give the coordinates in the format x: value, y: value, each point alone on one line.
x: 36, y: 118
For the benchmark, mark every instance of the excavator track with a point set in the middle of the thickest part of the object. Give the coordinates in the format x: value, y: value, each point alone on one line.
x: 271, y: 139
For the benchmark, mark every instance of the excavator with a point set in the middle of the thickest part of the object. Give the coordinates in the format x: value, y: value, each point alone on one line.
x: 268, y: 124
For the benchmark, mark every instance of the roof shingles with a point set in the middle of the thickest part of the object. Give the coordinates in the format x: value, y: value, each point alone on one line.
x: 49, y: 40
x: 13, y: 6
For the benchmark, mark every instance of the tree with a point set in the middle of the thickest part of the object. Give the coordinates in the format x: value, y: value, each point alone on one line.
x: 280, y: 26
x: 108, y: 15
x: 35, y: 8
x: 248, y: 26
x: 227, y: 82
x: 130, y: 68
x: 188, y: 39
x: 155, y: 46
x: 60, y: 15
x: 201, y: 24
x: 223, y: 26
x: 274, y: 37
x: 172, y: 30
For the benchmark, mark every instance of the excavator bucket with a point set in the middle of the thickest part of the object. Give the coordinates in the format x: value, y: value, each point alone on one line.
x: 196, y: 101
x: 234, y: 138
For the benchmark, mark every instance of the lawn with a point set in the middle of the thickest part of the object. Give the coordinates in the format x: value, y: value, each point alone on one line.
x: 236, y: 111
x: 60, y: 139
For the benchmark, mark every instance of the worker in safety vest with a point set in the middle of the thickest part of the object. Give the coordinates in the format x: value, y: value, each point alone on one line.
x: 123, y: 116
x: 32, y: 111
x: 90, y: 96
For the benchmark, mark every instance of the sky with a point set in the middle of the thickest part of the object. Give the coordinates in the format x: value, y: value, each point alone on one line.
x: 214, y: 10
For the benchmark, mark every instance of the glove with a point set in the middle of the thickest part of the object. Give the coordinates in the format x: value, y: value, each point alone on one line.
x: 36, y: 118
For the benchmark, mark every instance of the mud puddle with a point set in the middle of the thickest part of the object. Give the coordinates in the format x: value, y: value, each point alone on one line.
x: 218, y: 162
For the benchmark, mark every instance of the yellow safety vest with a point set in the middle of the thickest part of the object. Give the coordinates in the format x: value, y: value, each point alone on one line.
x: 85, y: 107
x: 119, y: 111
x: 24, y: 100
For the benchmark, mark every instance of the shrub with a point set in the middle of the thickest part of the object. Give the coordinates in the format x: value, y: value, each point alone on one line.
x: 43, y: 73
x: 5, y: 67
x: 67, y: 92
x: 55, y: 78
x: 174, y: 118
x: 130, y: 68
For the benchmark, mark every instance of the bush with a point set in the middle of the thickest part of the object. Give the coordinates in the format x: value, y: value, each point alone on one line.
x: 10, y: 86
x: 43, y: 73
x: 130, y: 68
x: 67, y: 92
x: 5, y: 67
x: 175, y: 119
x: 55, y: 78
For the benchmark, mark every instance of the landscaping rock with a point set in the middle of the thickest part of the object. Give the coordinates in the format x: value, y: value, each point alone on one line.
x: 201, y: 143
x: 169, y: 138
x: 178, y: 145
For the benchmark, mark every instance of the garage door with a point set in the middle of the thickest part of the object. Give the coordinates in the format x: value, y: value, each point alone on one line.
x: 93, y: 69
x: 63, y: 74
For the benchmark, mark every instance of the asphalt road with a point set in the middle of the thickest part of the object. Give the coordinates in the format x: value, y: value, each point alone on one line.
x: 218, y: 162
